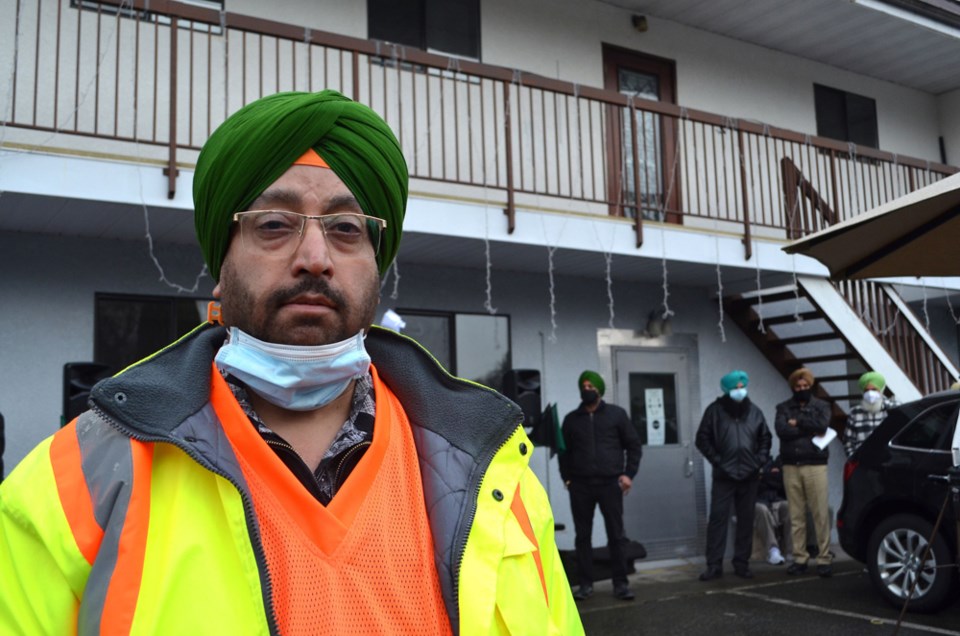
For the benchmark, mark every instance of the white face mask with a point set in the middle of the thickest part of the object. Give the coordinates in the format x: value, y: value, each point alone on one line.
x: 872, y: 400
x: 299, y: 378
x: 737, y: 395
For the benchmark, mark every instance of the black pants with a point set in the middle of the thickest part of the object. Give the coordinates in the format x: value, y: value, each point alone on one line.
x: 743, y: 496
x: 584, y: 497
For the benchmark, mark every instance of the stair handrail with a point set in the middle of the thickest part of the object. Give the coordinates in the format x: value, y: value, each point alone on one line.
x: 907, y: 342
x: 794, y: 181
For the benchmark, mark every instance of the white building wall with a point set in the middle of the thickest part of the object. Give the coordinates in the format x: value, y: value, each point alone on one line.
x: 562, y: 39
x: 949, y: 117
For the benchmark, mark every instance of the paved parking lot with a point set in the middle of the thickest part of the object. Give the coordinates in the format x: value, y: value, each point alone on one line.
x: 670, y: 600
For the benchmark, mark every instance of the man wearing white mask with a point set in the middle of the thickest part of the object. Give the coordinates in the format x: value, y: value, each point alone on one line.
x: 866, y: 416
x: 734, y: 437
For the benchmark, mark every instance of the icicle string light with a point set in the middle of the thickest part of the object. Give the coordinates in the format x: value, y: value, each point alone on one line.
x: 553, y: 298
x: 608, y: 259
x: 667, y: 312
x: 551, y: 250
x: 953, y: 314
x: 756, y: 257
x: 396, y: 280
x: 723, y: 333
x: 488, y: 303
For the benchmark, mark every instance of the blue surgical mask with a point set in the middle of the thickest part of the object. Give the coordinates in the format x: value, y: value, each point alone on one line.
x: 299, y: 378
x: 737, y: 395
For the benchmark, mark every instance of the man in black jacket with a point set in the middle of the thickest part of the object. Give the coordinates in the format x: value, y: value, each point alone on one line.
x: 734, y: 437
x: 799, y: 421
x: 598, y: 467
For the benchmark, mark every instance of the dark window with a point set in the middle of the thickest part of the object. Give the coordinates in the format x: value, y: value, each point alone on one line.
x: 929, y: 430
x: 471, y: 346
x: 444, y: 26
x: 130, y: 328
x: 845, y: 116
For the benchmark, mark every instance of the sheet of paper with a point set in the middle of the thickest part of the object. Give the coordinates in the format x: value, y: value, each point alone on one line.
x: 821, y: 441
x: 656, y: 424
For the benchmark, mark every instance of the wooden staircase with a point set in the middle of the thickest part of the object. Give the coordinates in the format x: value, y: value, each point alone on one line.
x: 792, y: 332
x: 839, y: 331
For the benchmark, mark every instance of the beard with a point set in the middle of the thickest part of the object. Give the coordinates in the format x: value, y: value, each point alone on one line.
x: 262, y: 320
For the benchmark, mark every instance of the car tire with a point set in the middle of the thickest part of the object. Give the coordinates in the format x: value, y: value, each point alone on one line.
x: 894, y: 551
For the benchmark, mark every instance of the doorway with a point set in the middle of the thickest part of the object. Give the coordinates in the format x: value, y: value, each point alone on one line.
x: 641, y: 145
x: 656, y: 382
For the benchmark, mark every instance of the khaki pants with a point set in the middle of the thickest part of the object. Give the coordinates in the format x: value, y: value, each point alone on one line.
x: 806, y: 487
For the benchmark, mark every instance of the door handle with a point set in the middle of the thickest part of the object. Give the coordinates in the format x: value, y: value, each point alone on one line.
x: 688, y: 465
x: 935, y: 477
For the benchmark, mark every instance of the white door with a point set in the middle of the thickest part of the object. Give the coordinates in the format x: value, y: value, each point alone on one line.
x: 666, y: 505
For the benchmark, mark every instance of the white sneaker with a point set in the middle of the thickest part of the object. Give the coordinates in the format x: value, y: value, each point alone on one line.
x: 775, y: 558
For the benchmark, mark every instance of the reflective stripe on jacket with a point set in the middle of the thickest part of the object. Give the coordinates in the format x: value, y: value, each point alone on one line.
x: 135, y: 518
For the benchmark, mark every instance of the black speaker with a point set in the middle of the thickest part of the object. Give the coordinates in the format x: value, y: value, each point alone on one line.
x: 78, y: 380
x: 523, y: 387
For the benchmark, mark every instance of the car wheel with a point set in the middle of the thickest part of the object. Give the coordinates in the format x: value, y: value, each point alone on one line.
x: 894, y: 554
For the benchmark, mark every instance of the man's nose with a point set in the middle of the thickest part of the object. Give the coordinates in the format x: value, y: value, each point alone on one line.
x: 313, y: 254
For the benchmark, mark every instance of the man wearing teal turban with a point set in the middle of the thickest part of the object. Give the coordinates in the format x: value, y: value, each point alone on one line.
x: 866, y: 416
x: 734, y: 438
x: 287, y: 458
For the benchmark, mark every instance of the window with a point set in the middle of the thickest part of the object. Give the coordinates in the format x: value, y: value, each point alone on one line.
x: 129, y: 328
x: 471, y: 346
x: 928, y: 431
x: 442, y: 26
x: 845, y: 116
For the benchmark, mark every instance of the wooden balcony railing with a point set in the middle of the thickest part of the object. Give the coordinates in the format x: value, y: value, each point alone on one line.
x: 162, y: 75
x: 900, y: 333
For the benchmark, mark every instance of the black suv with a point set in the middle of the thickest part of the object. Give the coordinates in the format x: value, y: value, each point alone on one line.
x: 894, y: 487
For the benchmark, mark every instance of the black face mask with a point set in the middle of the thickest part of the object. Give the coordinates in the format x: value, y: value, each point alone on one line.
x: 803, y: 395
x: 589, y: 396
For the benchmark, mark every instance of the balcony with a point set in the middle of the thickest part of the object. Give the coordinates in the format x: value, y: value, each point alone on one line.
x: 149, y: 81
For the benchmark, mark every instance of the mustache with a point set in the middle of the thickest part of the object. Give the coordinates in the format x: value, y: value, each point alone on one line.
x: 308, y: 286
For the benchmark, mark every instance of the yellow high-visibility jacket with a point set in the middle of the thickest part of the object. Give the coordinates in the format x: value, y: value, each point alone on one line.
x: 135, y: 518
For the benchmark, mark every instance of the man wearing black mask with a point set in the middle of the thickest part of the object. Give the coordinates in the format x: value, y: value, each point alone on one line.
x: 598, y: 467
x: 799, y: 421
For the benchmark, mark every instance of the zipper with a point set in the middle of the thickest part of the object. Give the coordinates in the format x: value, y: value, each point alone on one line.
x: 248, y: 511
x: 362, y: 446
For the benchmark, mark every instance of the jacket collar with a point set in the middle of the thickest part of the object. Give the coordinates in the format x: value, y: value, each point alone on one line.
x: 155, y: 395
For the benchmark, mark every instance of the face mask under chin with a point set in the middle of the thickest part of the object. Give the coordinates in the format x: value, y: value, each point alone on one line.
x: 298, y: 378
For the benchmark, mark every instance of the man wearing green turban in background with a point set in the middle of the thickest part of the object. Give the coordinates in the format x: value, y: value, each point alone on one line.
x: 287, y: 468
x: 866, y: 416
x: 602, y: 458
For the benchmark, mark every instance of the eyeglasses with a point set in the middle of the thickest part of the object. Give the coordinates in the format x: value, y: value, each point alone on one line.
x: 279, y: 232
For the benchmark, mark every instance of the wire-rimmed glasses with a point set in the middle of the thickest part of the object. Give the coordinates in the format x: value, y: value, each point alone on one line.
x: 280, y: 232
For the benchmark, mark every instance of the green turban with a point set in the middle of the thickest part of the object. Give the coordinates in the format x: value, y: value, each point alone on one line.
x: 258, y: 143
x: 874, y: 378
x: 594, y: 379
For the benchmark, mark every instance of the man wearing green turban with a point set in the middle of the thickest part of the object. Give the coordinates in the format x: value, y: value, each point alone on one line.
x: 602, y: 458
x: 866, y: 416
x: 286, y: 467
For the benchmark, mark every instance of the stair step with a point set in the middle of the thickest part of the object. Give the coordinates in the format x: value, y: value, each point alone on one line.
x: 772, y: 298
x: 833, y: 357
x: 838, y: 378
x: 780, y: 320
x: 815, y: 337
